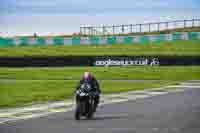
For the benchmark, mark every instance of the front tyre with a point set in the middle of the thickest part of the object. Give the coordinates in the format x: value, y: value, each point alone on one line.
x: 77, y: 111
x: 90, y: 115
x: 91, y: 110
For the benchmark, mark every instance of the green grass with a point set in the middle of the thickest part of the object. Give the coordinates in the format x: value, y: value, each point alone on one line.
x: 22, y: 86
x: 75, y: 73
x: 178, y: 48
x: 25, y: 92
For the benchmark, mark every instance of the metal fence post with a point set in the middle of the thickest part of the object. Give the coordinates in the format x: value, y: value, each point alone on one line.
x: 80, y: 30
x: 184, y: 23
x: 84, y: 31
x: 167, y: 25
x: 122, y: 28
x: 103, y: 30
x: 131, y: 28
x: 192, y: 23
x: 149, y: 27
x: 198, y: 22
x: 91, y: 31
x: 174, y: 24
x: 158, y: 26
x: 113, y: 29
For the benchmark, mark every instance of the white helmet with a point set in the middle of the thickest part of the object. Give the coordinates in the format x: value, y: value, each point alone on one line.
x: 87, y: 75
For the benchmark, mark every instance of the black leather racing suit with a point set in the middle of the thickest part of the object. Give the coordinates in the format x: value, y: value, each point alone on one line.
x: 95, y: 87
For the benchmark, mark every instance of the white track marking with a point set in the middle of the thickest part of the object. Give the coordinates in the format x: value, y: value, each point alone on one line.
x: 183, y: 86
x: 191, y: 84
x: 65, y: 106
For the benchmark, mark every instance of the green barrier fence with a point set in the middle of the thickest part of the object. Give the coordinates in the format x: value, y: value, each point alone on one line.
x: 24, y: 41
x: 6, y: 42
x: 193, y: 36
x: 41, y: 41
x: 94, y: 40
x: 111, y: 40
x: 128, y: 39
x: 144, y: 39
x: 176, y: 36
x: 58, y: 40
x: 160, y: 38
x: 76, y: 40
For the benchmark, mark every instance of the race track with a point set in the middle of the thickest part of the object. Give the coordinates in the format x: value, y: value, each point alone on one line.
x: 171, y: 113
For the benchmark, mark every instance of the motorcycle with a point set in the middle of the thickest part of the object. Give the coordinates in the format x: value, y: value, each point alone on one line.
x: 84, y: 102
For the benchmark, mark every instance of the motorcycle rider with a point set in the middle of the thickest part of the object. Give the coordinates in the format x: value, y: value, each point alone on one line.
x: 90, y: 79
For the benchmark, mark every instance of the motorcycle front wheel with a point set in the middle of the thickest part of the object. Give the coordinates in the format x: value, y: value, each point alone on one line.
x: 91, y: 111
x: 77, y: 111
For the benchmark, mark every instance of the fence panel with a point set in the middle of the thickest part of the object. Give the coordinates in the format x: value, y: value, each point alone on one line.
x: 24, y: 41
x: 58, y: 40
x: 128, y: 39
x: 144, y: 39
x: 6, y: 42
x: 160, y: 38
x: 193, y: 36
x: 111, y: 40
x: 176, y: 36
x: 41, y: 41
x: 94, y: 40
x: 76, y: 40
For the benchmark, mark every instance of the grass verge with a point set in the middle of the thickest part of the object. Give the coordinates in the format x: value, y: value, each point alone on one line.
x: 168, y: 48
x: 21, y: 86
x: 25, y: 92
x: 75, y: 73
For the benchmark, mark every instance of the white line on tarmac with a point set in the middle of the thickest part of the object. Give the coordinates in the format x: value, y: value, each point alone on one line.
x: 157, y: 93
x: 183, y: 86
x: 191, y: 84
x: 125, y: 97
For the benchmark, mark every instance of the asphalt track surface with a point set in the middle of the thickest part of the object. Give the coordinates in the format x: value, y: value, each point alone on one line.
x: 171, y: 113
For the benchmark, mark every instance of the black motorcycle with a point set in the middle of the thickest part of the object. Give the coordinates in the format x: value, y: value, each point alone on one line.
x: 84, y: 102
